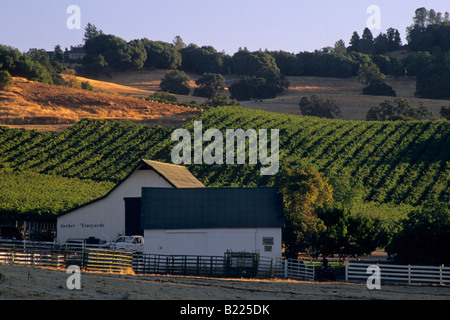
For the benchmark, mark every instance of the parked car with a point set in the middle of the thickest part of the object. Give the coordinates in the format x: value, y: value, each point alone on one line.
x: 128, y: 243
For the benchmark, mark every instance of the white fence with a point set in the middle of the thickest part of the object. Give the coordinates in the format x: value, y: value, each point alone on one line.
x: 27, y: 244
x: 50, y: 254
x: 299, y: 269
x: 402, y: 273
x: 43, y: 254
x: 77, y: 245
x: 33, y: 258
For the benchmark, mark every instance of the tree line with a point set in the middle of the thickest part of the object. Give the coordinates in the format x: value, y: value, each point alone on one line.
x: 322, y: 222
x: 261, y: 78
x: 262, y: 74
x: 429, y: 39
x: 34, y: 65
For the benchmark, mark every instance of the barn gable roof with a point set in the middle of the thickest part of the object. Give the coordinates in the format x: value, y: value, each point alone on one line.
x: 198, y: 208
x: 176, y: 175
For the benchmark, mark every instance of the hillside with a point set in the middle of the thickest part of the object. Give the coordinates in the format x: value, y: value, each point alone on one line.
x: 146, y: 82
x: 49, y: 107
x: 389, y: 162
x: 28, y: 102
x: 346, y: 92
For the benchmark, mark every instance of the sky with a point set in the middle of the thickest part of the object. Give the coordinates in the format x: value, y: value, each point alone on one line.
x: 287, y: 25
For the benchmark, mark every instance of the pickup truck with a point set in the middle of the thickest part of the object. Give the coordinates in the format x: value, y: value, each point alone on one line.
x: 128, y: 243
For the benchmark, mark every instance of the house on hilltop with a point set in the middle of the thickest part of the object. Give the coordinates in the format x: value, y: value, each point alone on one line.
x: 75, y: 53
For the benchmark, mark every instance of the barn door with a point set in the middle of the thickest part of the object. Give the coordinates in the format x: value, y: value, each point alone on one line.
x: 133, y: 217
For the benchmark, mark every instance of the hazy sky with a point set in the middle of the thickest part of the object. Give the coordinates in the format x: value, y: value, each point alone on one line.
x: 289, y: 25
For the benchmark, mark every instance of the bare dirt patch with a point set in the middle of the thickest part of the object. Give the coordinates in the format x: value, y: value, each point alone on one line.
x: 20, y: 282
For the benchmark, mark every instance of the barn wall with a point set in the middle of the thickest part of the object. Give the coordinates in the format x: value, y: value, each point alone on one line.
x: 213, y: 242
x: 105, y: 219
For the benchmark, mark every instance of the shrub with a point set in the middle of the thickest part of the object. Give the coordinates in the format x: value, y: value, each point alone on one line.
x: 86, y: 86
x: 423, y: 236
x: 379, y: 88
x: 209, y: 84
x: 445, y: 112
x: 219, y: 99
x: 257, y: 88
x: 346, y: 233
x: 71, y: 81
x: 163, y: 96
x: 5, y: 79
x: 369, y: 73
x: 399, y: 110
x: 318, y: 106
x: 176, y: 82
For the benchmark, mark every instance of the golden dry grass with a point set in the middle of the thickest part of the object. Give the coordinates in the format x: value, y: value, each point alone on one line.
x: 28, y: 102
x: 147, y: 82
x: 110, y: 87
x: 33, y: 103
x: 346, y: 93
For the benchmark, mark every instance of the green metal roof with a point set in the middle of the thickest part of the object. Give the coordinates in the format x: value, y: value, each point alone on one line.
x: 192, y: 208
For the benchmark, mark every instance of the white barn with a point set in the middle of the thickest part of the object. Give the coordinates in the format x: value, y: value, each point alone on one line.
x: 118, y: 212
x: 212, y: 221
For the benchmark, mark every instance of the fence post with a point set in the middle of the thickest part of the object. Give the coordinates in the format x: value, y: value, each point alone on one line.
x: 271, y: 267
x: 440, y: 274
x: 285, y: 268
x: 409, y: 274
x: 346, y: 270
x: 211, y: 265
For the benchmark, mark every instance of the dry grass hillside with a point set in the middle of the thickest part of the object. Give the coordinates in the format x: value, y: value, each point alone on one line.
x: 37, y: 104
x: 48, y: 107
x: 145, y: 83
x: 346, y: 92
